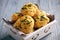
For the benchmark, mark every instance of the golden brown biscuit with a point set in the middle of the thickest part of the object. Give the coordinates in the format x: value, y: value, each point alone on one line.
x: 40, y: 19
x: 25, y: 24
x: 15, y: 16
x: 29, y: 9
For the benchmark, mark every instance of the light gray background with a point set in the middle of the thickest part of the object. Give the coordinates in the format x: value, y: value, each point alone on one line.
x: 7, y: 7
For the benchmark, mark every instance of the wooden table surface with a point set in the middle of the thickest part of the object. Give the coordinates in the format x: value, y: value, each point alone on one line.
x: 8, y: 7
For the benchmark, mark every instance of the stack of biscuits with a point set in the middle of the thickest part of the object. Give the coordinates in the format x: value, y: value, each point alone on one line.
x: 29, y: 17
